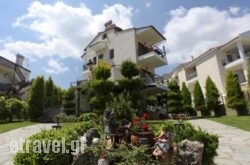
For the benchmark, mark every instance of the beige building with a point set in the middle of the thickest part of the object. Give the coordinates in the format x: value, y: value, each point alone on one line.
x: 140, y: 45
x: 216, y: 62
x: 14, y: 78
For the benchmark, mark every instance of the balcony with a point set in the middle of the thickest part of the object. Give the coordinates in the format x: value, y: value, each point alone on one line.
x: 191, y: 77
x: 100, y: 45
x: 153, y: 83
x: 232, y: 61
x: 154, y: 56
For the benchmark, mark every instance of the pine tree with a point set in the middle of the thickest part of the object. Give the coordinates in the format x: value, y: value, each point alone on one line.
x: 174, y: 98
x: 187, y: 100
x: 49, y: 89
x: 235, y: 97
x: 199, y: 101
x: 36, y: 99
x: 212, y: 96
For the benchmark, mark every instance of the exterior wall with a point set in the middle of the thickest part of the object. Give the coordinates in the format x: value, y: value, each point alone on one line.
x: 182, y: 77
x: 4, y: 79
x: 209, y: 67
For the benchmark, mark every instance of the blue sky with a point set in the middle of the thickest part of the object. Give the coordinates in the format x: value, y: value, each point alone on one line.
x: 52, y: 34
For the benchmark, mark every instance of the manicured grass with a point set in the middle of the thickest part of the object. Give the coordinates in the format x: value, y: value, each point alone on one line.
x: 242, y: 122
x: 5, y: 127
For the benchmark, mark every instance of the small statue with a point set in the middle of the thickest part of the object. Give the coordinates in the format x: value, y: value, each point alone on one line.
x: 163, y: 145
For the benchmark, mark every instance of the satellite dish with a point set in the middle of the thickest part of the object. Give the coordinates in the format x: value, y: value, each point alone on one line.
x: 108, y: 23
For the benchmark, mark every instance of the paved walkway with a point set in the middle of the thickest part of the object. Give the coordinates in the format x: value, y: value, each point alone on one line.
x: 24, y: 132
x: 234, y: 144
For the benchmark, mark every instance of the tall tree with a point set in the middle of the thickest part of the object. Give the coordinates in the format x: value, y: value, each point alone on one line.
x: 199, y: 101
x: 36, y: 98
x: 212, y: 96
x: 129, y: 69
x: 248, y: 73
x: 69, y: 104
x: 187, y: 101
x: 57, y: 95
x: 49, y: 89
x: 101, y: 86
x: 235, y: 97
x: 174, y: 98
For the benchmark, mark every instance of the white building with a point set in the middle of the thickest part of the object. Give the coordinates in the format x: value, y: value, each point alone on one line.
x: 14, y: 78
x: 216, y: 62
x: 114, y: 45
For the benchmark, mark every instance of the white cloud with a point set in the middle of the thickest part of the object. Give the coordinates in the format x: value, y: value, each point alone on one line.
x: 63, y: 30
x: 234, y: 10
x: 192, y: 32
x: 148, y: 4
x: 55, y: 67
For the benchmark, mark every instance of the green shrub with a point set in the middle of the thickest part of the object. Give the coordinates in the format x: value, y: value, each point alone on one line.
x: 90, y: 117
x: 129, y: 69
x: 63, y: 117
x: 189, y: 132
x: 51, y: 158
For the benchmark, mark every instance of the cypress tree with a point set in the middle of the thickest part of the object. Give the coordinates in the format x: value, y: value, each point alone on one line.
x: 49, y: 92
x: 174, y: 98
x: 187, y: 100
x: 199, y: 101
x: 235, y: 97
x: 36, y: 99
x: 212, y: 96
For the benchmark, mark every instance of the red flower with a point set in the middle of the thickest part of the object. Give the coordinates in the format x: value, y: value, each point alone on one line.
x: 145, y: 127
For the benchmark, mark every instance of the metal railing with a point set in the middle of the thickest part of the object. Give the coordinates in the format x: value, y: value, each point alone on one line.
x: 149, y: 77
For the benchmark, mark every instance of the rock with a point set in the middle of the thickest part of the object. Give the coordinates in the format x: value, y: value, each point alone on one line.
x: 189, y: 153
x: 90, y: 135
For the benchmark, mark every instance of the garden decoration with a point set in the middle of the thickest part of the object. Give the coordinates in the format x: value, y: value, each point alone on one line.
x: 164, y: 146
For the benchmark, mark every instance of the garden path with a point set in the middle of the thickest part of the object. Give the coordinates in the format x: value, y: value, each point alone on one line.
x: 17, y: 134
x: 234, y: 143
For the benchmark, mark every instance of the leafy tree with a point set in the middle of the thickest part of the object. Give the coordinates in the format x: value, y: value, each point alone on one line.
x: 102, y: 71
x: 122, y: 106
x: 174, y: 98
x: 49, y: 89
x: 129, y: 69
x: 102, y: 87
x: 187, y: 100
x: 235, y: 97
x: 69, y: 104
x: 199, y: 101
x: 36, y: 98
x: 57, y: 95
x: 15, y: 108
x: 4, y: 113
x: 212, y: 96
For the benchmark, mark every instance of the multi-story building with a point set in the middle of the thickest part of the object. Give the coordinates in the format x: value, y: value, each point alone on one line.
x: 14, y: 78
x: 216, y: 62
x: 140, y: 45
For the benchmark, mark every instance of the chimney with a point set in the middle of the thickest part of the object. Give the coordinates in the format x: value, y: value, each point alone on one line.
x: 192, y: 58
x: 19, y: 59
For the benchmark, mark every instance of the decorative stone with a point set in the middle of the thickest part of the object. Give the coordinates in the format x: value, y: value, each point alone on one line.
x: 189, y: 153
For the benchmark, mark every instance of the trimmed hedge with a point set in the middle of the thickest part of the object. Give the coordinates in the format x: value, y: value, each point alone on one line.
x: 51, y: 158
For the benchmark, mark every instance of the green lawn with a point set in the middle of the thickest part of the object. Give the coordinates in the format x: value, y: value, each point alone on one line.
x: 5, y: 127
x: 242, y: 122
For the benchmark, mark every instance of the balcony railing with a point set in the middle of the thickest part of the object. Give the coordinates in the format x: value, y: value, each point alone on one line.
x: 191, y: 75
x: 143, y: 50
x: 150, y: 78
x: 230, y: 59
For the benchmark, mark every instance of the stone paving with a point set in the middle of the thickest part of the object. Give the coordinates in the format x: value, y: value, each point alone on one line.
x: 24, y: 132
x: 234, y: 144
